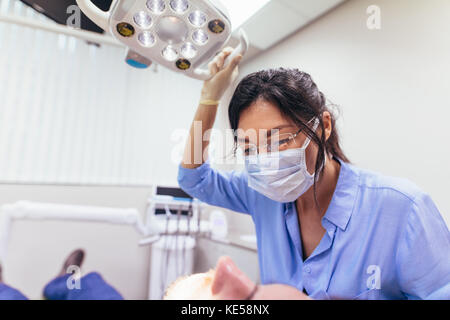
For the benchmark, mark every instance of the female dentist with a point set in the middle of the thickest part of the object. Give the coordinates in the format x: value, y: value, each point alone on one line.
x: 324, y: 226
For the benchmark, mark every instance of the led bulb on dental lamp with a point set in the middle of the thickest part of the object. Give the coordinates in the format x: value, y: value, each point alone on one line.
x: 182, y: 35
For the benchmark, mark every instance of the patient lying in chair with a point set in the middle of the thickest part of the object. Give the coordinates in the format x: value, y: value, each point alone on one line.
x: 225, y: 282
x: 93, y: 286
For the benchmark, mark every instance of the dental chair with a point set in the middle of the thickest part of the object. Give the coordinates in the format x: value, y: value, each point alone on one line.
x: 36, y: 237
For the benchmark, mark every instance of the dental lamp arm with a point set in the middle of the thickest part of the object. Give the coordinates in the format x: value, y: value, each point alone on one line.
x: 101, y: 18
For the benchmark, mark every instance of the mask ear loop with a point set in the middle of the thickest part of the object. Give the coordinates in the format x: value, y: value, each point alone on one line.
x: 308, y: 141
x: 314, y: 128
x: 316, y: 124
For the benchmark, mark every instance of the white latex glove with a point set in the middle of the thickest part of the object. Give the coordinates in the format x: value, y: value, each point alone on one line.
x: 214, y: 88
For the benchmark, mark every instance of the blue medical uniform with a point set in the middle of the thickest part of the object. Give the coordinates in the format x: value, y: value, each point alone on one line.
x: 92, y: 287
x: 9, y: 293
x: 385, y: 238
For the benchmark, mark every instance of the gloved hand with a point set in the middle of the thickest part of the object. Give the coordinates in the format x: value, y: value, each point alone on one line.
x: 214, y: 88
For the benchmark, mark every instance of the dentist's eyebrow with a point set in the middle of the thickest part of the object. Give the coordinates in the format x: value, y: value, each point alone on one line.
x: 269, y: 132
x: 281, y: 127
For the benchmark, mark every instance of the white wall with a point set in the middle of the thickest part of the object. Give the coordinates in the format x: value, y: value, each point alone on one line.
x: 392, y: 85
x: 76, y: 113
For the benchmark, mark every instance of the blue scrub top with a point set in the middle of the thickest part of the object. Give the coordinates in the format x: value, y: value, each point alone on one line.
x: 385, y: 238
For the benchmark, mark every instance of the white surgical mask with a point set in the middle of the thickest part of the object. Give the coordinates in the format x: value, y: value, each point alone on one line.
x: 281, y: 176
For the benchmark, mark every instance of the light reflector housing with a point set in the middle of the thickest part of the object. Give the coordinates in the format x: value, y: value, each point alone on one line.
x: 169, y: 53
x: 156, y: 6
x: 146, y: 38
x: 143, y: 19
x: 197, y: 18
x: 179, y: 6
x: 172, y: 33
x: 200, y: 37
x: 188, y: 50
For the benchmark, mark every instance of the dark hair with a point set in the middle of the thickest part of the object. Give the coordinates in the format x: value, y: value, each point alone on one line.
x: 297, y: 97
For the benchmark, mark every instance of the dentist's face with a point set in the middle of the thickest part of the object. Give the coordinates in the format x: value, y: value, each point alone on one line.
x: 261, y: 119
x: 227, y: 282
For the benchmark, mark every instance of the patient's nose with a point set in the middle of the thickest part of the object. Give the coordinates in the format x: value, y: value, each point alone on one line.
x: 229, y: 282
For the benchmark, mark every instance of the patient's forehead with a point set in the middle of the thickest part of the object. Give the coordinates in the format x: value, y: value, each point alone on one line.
x: 194, y: 287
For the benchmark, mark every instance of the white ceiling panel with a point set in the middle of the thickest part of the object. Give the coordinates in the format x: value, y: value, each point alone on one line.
x: 310, y: 8
x: 272, y: 23
x: 240, y: 11
x: 280, y: 18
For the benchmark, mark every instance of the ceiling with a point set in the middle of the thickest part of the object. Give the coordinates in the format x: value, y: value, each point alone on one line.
x: 273, y: 22
x: 278, y: 19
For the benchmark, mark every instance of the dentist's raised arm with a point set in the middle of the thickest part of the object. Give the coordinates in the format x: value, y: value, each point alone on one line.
x: 224, y: 74
x: 196, y: 177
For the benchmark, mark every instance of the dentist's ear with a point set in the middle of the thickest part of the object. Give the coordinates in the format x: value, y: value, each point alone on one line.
x: 327, y: 124
x: 229, y: 282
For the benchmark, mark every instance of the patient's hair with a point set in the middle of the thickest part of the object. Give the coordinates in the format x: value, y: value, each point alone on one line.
x: 193, y: 287
x: 297, y: 97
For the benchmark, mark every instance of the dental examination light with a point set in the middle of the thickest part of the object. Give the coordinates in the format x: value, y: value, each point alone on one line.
x: 182, y: 35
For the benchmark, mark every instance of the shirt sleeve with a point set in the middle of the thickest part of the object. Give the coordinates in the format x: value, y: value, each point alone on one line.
x: 223, y: 189
x: 423, y: 254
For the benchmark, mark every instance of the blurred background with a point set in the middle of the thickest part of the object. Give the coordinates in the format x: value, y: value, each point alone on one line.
x: 78, y: 126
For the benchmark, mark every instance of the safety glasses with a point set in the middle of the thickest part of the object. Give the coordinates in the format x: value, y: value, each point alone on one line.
x: 274, y: 143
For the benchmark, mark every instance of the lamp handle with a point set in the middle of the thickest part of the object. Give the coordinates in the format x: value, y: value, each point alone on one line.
x: 99, y: 17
